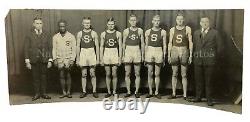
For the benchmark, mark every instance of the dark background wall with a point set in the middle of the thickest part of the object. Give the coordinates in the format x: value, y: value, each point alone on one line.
x: 228, y: 22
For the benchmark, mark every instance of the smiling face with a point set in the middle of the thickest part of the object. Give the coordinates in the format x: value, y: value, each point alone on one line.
x: 38, y: 24
x: 132, y: 21
x: 179, y: 20
x: 205, y: 22
x: 62, y: 27
x: 156, y: 21
x: 86, y: 23
x: 111, y: 25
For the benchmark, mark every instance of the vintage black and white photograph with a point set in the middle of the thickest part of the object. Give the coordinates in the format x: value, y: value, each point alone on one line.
x: 190, y: 57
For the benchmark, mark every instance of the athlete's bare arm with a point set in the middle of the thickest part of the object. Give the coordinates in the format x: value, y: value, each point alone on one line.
x: 102, y: 47
x: 78, y: 42
x: 170, y: 43
x: 164, y: 37
x: 125, y: 35
x: 189, y: 34
x: 140, y: 31
x: 97, y: 46
x: 73, y: 57
x: 119, y: 35
x: 146, y: 40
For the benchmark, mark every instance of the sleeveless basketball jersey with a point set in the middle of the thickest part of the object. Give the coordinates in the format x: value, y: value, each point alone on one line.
x: 155, y: 38
x: 133, y: 38
x: 111, y: 40
x: 87, y: 40
x: 180, y: 38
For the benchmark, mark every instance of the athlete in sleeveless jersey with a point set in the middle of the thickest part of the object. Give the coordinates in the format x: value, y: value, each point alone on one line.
x: 180, y: 48
x: 133, y: 53
x: 111, y: 54
x: 87, y: 54
x: 155, y: 51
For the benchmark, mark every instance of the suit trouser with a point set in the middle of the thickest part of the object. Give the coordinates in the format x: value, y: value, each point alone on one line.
x: 39, y: 75
x: 203, y: 79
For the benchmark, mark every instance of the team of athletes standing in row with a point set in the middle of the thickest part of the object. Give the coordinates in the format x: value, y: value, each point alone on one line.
x: 133, y: 47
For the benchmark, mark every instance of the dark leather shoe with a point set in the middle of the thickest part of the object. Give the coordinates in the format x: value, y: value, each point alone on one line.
x: 149, y: 96
x: 137, y: 95
x: 184, y: 98
x: 35, y: 97
x: 84, y: 94
x: 210, y: 103
x: 195, y: 100
x: 45, y: 97
x: 107, y: 95
x: 172, y: 97
x: 69, y: 96
x: 127, y: 95
x: 95, y: 95
x: 62, y: 96
x: 158, y: 96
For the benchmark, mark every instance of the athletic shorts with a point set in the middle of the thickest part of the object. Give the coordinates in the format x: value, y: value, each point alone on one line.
x: 63, y: 63
x: 179, y: 55
x: 87, y: 57
x: 132, y: 55
x: 110, y: 56
x: 154, y: 55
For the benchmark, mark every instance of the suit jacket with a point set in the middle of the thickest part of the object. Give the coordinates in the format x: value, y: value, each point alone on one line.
x: 207, y: 48
x: 38, y: 48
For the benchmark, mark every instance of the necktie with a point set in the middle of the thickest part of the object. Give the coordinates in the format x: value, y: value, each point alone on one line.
x: 203, y: 33
x: 39, y: 32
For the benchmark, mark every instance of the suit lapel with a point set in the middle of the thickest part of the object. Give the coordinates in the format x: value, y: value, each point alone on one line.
x: 206, y: 37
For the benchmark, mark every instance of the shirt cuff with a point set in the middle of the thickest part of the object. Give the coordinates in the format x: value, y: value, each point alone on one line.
x: 27, y: 60
x: 50, y: 60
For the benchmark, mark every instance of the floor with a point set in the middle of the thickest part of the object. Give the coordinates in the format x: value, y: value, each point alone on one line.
x: 18, y: 99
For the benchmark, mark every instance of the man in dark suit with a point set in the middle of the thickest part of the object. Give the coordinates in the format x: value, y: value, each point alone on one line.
x: 207, y: 47
x: 38, y: 57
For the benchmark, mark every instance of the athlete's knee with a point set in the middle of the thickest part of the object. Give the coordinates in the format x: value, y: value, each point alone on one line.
x: 157, y: 73
x: 84, y: 75
x: 183, y: 74
x: 108, y: 73
x: 92, y: 74
x: 127, y: 73
x: 175, y: 73
x: 137, y: 74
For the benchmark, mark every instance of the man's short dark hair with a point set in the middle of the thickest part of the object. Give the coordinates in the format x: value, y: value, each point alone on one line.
x: 37, y: 18
x: 205, y: 16
x: 62, y: 21
x: 180, y: 14
x: 87, y: 18
x: 111, y: 19
x: 132, y: 15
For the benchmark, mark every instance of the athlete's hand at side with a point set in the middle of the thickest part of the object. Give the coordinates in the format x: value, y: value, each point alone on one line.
x: 49, y: 64
x: 28, y: 65
x: 169, y: 59
x: 190, y: 59
x: 119, y: 61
